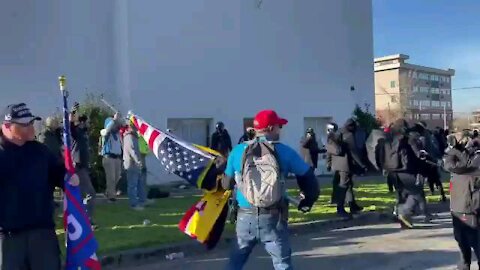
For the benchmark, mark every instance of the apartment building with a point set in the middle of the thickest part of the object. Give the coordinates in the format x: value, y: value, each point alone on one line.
x: 412, y: 91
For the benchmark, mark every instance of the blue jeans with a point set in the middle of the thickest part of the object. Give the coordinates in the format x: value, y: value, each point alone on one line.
x: 136, y: 186
x: 268, y: 229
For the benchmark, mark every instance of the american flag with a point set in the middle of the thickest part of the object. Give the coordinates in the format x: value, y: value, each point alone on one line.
x: 177, y: 156
x: 182, y: 161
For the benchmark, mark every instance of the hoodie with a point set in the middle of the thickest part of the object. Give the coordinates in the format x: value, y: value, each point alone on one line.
x: 131, y: 152
x: 111, y: 143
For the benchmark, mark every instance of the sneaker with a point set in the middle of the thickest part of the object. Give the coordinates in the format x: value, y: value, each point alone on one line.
x: 405, y: 221
x: 149, y: 202
x: 138, y: 208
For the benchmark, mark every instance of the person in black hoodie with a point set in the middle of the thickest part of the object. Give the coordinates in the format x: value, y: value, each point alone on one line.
x: 81, y: 160
x: 310, y: 143
x: 403, y: 153
x: 429, y: 170
x: 345, y: 162
x: 30, y: 172
x: 464, y: 165
x: 221, y: 140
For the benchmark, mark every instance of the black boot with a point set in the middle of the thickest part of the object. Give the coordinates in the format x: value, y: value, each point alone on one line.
x: 344, y: 214
x: 355, y: 208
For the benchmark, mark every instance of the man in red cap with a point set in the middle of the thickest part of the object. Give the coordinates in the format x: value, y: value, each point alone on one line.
x: 258, y: 169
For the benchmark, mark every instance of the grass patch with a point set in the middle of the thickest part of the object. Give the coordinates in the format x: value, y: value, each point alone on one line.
x: 121, y: 228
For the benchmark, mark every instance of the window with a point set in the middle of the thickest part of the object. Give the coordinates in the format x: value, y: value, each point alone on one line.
x: 415, y: 89
x: 414, y: 75
x: 436, y: 116
x: 435, y: 91
x: 435, y: 103
x: 448, y: 79
x: 423, y: 76
x: 424, y: 89
x: 449, y: 104
x: 425, y: 116
x: 392, y: 84
x: 415, y: 103
x: 443, y: 103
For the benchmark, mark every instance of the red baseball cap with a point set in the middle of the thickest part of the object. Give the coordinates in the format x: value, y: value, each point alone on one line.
x: 267, y: 118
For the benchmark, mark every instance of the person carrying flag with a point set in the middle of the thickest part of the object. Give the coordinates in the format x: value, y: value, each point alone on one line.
x: 29, y: 174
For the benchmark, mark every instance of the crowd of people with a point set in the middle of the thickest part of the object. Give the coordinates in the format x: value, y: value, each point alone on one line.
x: 410, y: 156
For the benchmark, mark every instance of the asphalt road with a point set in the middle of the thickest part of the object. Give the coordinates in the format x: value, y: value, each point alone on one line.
x: 375, y: 247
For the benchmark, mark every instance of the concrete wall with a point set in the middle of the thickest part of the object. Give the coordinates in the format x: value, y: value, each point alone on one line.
x: 223, y: 60
x: 44, y: 39
x: 228, y: 59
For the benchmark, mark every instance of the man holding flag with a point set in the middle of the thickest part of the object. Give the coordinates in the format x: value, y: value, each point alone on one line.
x: 29, y: 172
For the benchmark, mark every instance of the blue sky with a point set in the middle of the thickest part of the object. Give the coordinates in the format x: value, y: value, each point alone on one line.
x: 437, y: 33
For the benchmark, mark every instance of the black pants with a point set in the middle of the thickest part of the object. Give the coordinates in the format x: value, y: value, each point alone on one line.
x: 410, y: 194
x: 433, y: 178
x: 391, y: 182
x: 31, y: 250
x: 344, y: 190
x: 467, y: 235
x: 335, y: 183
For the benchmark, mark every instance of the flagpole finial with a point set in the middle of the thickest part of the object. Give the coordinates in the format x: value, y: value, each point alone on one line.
x: 62, y: 80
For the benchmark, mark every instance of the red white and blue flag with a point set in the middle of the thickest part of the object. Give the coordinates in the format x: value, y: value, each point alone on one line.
x: 80, y: 241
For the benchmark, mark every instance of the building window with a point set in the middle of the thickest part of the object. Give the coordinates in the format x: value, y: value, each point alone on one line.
x: 449, y: 104
x: 415, y: 89
x: 424, y: 89
x: 425, y: 116
x: 414, y: 75
x: 435, y: 103
x: 436, y: 116
x: 443, y: 103
x: 448, y: 79
x: 435, y: 91
x: 392, y: 84
x: 415, y: 103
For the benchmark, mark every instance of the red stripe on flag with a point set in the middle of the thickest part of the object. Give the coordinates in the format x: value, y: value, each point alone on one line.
x: 92, y: 264
x: 143, y: 128
x: 83, y: 243
x: 154, y: 135
x: 77, y: 205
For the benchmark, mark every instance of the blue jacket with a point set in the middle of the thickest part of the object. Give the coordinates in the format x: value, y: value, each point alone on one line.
x: 111, y: 141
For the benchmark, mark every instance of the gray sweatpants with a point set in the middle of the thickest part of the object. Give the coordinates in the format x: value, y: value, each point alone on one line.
x: 31, y: 250
x: 113, y: 172
x: 87, y: 190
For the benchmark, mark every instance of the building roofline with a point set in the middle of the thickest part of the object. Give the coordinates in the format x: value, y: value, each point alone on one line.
x: 391, y: 57
x: 448, y: 72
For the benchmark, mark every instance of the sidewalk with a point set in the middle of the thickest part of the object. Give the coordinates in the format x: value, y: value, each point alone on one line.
x: 191, y: 248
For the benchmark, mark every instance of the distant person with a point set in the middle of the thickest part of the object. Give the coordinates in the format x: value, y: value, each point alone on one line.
x: 81, y: 160
x: 263, y: 207
x: 248, y: 135
x: 52, y: 137
x: 134, y: 164
x: 310, y: 144
x: 111, y: 150
x: 221, y: 140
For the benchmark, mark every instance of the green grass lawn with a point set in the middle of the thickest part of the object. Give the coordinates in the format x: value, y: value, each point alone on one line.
x: 121, y: 228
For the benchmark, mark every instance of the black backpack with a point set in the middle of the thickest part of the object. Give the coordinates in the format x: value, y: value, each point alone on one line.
x: 391, y: 153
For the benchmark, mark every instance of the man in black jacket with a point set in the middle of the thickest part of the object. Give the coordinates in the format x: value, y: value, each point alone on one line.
x: 29, y: 174
x: 221, y: 140
x: 81, y: 161
x: 407, y: 153
x: 464, y: 200
x: 345, y: 162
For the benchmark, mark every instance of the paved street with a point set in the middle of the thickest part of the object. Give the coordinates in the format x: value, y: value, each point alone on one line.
x: 367, y: 247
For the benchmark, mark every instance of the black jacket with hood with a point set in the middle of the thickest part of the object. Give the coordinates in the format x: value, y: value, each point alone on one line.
x: 349, y: 159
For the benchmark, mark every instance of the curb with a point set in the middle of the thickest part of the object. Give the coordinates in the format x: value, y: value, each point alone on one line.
x: 139, y: 256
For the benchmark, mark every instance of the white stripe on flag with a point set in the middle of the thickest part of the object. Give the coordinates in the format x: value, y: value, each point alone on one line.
x: 157, y: 142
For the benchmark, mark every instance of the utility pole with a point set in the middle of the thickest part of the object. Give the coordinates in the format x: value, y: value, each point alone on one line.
x: 445, y: 115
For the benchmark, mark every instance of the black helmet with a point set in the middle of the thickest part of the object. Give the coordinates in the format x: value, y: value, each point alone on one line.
x: 220, y: 125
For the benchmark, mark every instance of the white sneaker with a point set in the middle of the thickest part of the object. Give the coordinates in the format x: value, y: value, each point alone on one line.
x: 138, y: 208
x: 149, y: 202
